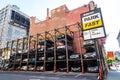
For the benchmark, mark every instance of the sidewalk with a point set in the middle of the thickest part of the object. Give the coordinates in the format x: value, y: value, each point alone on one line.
x: 113, y: 75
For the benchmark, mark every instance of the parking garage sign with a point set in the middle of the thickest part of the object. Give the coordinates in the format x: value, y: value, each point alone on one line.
x: 92, y: 24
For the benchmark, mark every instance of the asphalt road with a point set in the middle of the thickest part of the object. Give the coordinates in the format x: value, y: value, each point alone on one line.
x: 113, y: 75
x: 9, y: 75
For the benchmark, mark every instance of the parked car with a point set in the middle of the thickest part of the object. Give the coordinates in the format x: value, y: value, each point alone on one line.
x: 50, y: 49
x: 16, y: 67
x: 19, y: 59
x: 24, y: 68
x: 41, y: 58
x: 32, y: 51
x: 75, y: 56
x: 22, y: 51
x: 50, y: 58
x: 30, y: 67
x: 92, y: 69
x: 0, y: 65
x: 6, y: 66
x: 63, y: 69
x: 32, y: 59
x: 39, y: 68
x: 118, y: 67
x: 61, y: 38
x: 61, y: 57
x: 25, y: 51
x: 75, y: 68
x: 49, y: 43
x: 90, y: 48
x: 25, y: 60
x: 90, y: 55
x: 40, y: 50
x: 63, y: 48
x: 88, y: 42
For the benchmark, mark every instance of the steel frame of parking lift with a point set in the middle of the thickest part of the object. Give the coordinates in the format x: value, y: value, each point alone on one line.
x: 80, y: 46
x: 52, y: 34
x: 66, y: 29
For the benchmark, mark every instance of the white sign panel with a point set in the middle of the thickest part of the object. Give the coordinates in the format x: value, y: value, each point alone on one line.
x: 94, y: 33
x: 86, y: 34
x: 97, y: 33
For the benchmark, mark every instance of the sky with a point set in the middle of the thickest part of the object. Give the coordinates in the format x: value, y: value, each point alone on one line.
x: 110, y: 12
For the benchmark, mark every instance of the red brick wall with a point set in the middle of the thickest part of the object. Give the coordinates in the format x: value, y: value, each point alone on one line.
x: 60, y: 17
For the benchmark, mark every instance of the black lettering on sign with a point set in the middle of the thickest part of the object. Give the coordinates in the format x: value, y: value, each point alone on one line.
x: 91, y: 17
x: 92, y: 23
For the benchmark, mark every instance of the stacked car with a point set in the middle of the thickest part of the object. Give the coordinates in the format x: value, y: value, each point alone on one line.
x: 55, y: 53
x: 91, y: 56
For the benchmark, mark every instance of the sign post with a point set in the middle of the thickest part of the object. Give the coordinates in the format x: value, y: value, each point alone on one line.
x: 93, y: 28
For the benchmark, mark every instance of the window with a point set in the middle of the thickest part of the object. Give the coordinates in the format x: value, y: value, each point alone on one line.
x: 17, y: 17
x: 9, y: 34
x: 12, y: 15
x: 20, y: 19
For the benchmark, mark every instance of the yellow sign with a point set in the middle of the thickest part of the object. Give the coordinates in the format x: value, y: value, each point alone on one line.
x: 91, y: 19
x: 92, y: 24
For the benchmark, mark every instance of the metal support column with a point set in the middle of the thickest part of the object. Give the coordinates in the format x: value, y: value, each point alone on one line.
x: 67, y: 63
x: 80, y: 45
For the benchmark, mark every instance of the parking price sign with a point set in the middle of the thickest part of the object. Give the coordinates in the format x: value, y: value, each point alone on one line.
x: 92, y: 24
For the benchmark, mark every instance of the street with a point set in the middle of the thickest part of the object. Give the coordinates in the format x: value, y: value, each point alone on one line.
x: 113, y: 75
x: 46, y: 76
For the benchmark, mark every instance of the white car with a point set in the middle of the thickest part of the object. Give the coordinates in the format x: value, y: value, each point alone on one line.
x: 24, y: 68
x: 25, y: 60
x: 118, y: 67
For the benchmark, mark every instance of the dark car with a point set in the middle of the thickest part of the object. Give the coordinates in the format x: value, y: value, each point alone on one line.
x: 63, y: 48
x: 41, y: 58
x: 6, y: 66
x: 0, y: 65
x: 40, y: 68
x: 49, y: 43
x: 92, y: 69
x: 90, y: 55
x: 92, y: 65
x: 61, y: 38
x: 32, y: 59
x: 90, y: 48
x: 50, y: 49
x: 32, y: 50
x: 40, y: 50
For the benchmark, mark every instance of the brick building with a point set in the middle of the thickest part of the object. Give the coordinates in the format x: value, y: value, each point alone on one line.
x: 60, y: 17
